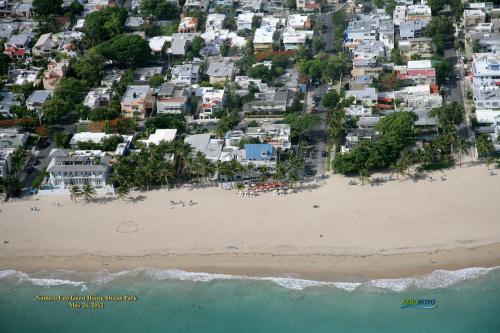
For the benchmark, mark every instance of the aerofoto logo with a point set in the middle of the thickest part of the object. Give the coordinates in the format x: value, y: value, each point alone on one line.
x: 419, y: 304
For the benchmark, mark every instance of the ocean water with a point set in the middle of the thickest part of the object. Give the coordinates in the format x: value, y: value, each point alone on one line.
x: 467, y: 300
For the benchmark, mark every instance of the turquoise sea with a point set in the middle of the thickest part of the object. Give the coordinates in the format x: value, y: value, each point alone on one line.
x: 175, y: 301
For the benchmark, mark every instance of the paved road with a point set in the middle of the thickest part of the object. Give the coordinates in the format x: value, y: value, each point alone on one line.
x: 316, y: 162
x: 326, y: 19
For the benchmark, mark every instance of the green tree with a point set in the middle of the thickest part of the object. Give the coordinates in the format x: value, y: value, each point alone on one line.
x: 125, y: 50
x: 196, y: 45
x: 484, y: 145
x: 165, y: 121
x: 301, y: 123
x: 4, y: 59
x: 56, y: 110
x: 19, y: 160
x: 462, y: 149
x: 74, y: 9
x: 122, y: 192
x: 441, y: 30
x: 75, y: 192
x: 10, y: 186
x: 71, y: 90
x: 90, y: 67
x: 104, y: 24
x: 159, y: 9
x: 47, y: 7
x: 156, y: 80
x: 88, y: 192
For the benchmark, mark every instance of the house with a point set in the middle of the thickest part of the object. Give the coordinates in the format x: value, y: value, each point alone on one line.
x: 308, y: 5
x: 299, y: 22
x: 367, y: 96
x: 37, y: 99
x: 196, y: 5
x: 143, y: 74
x: 186, y: 74
x: 355, y: 136
x: 157, y: 44
x: 419, y: 99
x: 215, y: 22
x: 370, y: 50
x: 418, y: 12
x: 244, y: 21
x: 134, y: 23
x: 206, y: 144
x: 188, y: 24
x: 23, y: 10
x: 79, y: 168
x: 5, y: 161
x: 7, y: 101
x: 172, y: 99
x: 293, y: 39
x: 137, y: 102
x: 160, y: 135
x: 180, y: 43
x: 46, y: 45
x: 277, y: 135
x: 212, y: 100
x: 97, y: 97
x: 220, y: 71
x: 422, y: 46
x: 21, y: 76
x: 473, y: 17
x: 275, y: 103
x: 55, y: 71
x: 12, y: 138
x: 97, y: 138
x: 486, y: 81
x: 17, y: 46
x: 250, y: 5
x: 260, y: 154
x: 412, y: 29
x: 416, y: 75
x: 228, y: 3
x: 263, y: 38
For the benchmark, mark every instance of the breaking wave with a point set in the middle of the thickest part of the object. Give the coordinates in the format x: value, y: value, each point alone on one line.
x: 434, y: 280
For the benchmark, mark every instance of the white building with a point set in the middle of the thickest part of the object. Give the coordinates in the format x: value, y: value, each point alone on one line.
x: 486, y: 81
x: 160, y: 135
x: 78, y: 168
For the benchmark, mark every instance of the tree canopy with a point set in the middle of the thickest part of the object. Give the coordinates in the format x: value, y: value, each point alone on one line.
x: 47, y: 7
x: 159, y: 9
x: 125, y: 50
x: 104, y: 24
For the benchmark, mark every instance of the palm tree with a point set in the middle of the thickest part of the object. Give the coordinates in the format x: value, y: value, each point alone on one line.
x: 88, y: 192
x: 336, y: 126
x: 406, y: 159
x: 123, y: 191
x: 263, y: 172
x: 489, y: 161
x: 363, y: 176
x: 462, y: 148
x: 398, y: 169
x: 484, y: 145
x: 184, y: 152
x: 249, y: 170
x: 293, y: 177
x: 75, y: 192
x: 280, y: 171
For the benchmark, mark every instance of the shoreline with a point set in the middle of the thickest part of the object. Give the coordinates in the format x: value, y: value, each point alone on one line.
x: 332, y: 232
x: 325, y: 268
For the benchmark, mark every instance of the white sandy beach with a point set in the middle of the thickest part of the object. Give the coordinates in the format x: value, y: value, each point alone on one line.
x: 395, y: 229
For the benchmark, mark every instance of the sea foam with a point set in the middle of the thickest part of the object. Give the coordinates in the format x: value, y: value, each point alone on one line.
x: 436, y: 279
